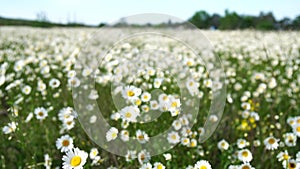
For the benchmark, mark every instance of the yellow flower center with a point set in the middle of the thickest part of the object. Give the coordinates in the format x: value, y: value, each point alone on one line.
x: 75, y: 161
x: 141, y: 137
x: 114, y: 135
x: 174, y: 104
x: 130, y: 93
x: 298, y: 129
x: 138, y: 102
x: 159, y: 166
x: 286, y: 157
x: 271, y: 141
x: 203, y: 167
x: 292, y: 165
x: 245, y: 154
x: 128, y: 115
x: 40, y: 113
x: 66, y: 143
x: 298, y: 121
x: 173, y: 137
x: 245, y: 167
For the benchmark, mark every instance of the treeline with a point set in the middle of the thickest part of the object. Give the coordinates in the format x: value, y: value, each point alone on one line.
x: 232, y: 20
x: 39, y: 23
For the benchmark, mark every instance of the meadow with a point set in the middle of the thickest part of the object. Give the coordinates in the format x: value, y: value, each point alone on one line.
x: 44, y: 127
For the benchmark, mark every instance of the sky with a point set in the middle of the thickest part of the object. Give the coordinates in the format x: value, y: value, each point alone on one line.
x: 96, y: 11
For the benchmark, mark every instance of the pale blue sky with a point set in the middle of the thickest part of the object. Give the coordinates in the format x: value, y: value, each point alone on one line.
x: 96, y: 11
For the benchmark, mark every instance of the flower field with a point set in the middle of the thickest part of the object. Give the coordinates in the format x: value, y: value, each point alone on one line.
x: 144, y: 87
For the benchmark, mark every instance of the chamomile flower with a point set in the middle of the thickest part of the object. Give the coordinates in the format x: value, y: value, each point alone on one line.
x: 131, y: 92
x: 176, y: 124
x: 202, y: 164
x: 93, y: 153
x: 64, y: 143
x: 246, y: 166
x: 167, y: 156
x: 173, y: 137
x: 154, y: 105
x: 124, y: 135
x: 158, y: 165
x: 283, y: 156
x: 10, y: 128
x: 143, y: 156
x: 241, y: 143
x: 145, y: 97
x: 142, y: 136
x: 26, y: 90
x: 293, y: 164
x: 74, y: 159
x: 290, y: 139
x: 271, y: 143
x: 41, y: 113
x: 223, y: 145
x: 130, y: 113
x: 296, y: 129
x: 54, y: 83
x: 112, y: 134
x: 146, y: 166
x: 245, y: 155
x: 131, y: 155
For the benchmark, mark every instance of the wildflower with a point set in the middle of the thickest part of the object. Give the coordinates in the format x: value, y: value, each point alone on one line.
x: 74, y: 159
x: 202, y: 164
x: 112, y: 134
x: 245, y: 155
x: 271, y: 143
x: 64, y: 143
x: 41, y: 113
x: 223, y: 145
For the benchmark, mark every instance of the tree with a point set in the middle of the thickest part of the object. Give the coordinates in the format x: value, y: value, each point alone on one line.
x: 200, y: 19
x: 231, y: 20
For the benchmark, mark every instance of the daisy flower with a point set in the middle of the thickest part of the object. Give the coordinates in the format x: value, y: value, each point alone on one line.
x: 124, y: 135
x: 93, y: 153
x: 131, y: 155
x: 245, y: 155
x: 290, y: 139
x: 142, y: 136
x: 293, y: 164
x: 154, y: 105
x: 112, y: 134
x: 296, y: 129
x: 173, y: 137
x: 64, y: 143
x: 283, y: 156
x: 10, y: 128
x: 41, y: 113
x: 223, y: 145
x: 130, y: 113
x: 131, y: 92
x: 202, y: 164
x: 74, y: 159
x: 146, y: 166
x: 54, y: 83
x: 144, y: 157
x: 246, y: 166
x: 146, y: 97
x: 26, y: 90
x: 158, y: 165
x: 241, y: 143
x: 271, y: 143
